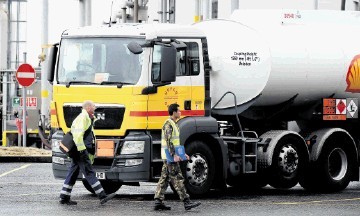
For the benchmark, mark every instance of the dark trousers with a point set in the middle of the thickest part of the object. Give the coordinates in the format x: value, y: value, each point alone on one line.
x: 81, y: 162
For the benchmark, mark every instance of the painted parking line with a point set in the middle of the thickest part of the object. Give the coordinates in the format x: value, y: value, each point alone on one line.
x: 14, y: 170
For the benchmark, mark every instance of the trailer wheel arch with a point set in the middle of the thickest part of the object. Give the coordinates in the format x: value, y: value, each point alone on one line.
x: 282, y: 143
x: 323, y: 135
x: 265, y: 153
x: 341, y: 146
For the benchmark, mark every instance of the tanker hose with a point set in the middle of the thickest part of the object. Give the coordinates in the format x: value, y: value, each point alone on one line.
x: 237, y: 116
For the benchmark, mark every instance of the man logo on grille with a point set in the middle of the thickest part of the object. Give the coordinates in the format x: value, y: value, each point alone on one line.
x: 100, y: 116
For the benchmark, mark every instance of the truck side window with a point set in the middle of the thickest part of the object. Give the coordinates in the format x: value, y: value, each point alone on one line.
x: 155, y: 69
x: 187, y: 61
x: 193, y: 58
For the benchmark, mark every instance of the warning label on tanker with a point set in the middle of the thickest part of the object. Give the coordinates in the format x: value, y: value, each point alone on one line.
x: 245, y: 58
x: 340, y: 109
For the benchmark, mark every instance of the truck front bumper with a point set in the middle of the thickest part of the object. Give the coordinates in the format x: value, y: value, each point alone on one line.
x: 124, y: 168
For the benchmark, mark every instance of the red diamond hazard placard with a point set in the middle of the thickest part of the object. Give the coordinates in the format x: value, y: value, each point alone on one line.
x: 25, y: 75
x: 341, y: 106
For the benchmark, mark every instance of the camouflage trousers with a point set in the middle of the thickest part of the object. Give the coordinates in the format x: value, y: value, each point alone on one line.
x: 171, y: 173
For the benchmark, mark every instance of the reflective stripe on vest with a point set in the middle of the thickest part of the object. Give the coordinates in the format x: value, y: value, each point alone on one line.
x: 174, y: 137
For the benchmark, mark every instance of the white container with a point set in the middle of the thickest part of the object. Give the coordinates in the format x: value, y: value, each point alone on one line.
x: 311, y: 58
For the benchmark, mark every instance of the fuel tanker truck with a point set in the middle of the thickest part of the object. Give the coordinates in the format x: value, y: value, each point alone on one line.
x: 267, y: 97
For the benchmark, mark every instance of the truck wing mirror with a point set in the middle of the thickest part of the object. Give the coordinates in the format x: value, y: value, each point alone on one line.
x: 179, y: 45
x: 52, y: 62
x: 135, y: 48
x: 168, y: 64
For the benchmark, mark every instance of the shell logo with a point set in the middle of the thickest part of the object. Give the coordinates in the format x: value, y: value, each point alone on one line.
x: 353, y: 75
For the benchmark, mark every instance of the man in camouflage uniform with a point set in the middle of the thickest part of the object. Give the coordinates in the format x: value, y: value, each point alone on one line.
x: 171, y: 171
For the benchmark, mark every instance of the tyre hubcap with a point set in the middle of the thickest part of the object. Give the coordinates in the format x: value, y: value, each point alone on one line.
x: 337, y: 164
x: 197, y: 170
x: 288, y: 159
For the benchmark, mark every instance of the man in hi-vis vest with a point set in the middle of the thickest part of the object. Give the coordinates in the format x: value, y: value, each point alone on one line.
x: 170, y: 138
x: 82, y: 132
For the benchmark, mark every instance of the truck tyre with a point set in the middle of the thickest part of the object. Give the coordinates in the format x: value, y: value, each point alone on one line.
x: 335, y: 166
x: 200, y: 169
x: 287, y: 163
x: 109, y: 186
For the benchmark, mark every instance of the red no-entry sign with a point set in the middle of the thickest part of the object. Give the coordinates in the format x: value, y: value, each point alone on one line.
x: 25, y: 75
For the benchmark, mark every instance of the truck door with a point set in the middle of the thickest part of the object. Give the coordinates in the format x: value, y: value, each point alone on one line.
x: 179, y: 92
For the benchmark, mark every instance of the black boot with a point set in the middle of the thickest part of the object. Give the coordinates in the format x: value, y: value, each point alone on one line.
x: 159, y: 205
x: 106, y: 198
x: 189, y: 205
x: 67, y: 202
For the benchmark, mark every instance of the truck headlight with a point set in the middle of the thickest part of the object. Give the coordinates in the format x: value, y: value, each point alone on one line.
x: 55, y: 144
x: 133, y: 147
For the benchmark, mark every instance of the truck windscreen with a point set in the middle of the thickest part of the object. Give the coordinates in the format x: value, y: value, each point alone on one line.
x: 89, y: 61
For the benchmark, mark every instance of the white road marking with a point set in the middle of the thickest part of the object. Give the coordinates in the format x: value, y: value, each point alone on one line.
x: 22, y: 167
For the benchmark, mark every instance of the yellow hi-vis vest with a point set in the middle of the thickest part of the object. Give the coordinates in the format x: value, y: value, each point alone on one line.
x: 80, y: 124
x: 175, y: 139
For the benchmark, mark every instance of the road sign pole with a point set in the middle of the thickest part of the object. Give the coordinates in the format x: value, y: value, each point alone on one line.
x: 24, y: 130
x: 25, y: 75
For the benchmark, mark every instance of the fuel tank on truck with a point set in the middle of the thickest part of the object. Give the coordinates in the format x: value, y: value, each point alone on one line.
x: 268, y: 59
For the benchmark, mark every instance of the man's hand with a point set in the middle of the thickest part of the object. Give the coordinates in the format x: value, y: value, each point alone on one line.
x: 177, y: 158
x: 187, y: 157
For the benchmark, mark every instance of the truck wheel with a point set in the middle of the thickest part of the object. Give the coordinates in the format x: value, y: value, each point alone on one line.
x: 287, y: 163
x: 200, y: 169
x: 335, y: 167
x: 109, y: 186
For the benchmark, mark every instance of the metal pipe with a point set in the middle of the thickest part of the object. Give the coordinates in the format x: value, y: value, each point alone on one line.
x: 44, y: 84
x: 206, y: 14
x: 197, y: 11
x: 87, y: 12
x: 136, y: 11
x: 8, y: 58
x: 81, y: 13
x: 84, y: 12
x: 5, y: 100
x: 343, y: 3
x: 24, y: 130
x: 316, y: 4
x: 234, y: 5
x: 17, y: 58
x: 172, y: 11
x: 160, y: 11
x: 123, y: 15
x: 165, y: 11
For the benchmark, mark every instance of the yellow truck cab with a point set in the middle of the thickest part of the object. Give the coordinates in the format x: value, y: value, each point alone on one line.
x: 131, y: 92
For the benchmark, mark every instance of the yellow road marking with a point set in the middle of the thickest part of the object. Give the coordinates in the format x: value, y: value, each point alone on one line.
x: 22, y: 167
x: 315, y: 201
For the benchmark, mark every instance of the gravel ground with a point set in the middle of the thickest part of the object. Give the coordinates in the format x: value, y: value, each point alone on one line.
x: 23, y: 151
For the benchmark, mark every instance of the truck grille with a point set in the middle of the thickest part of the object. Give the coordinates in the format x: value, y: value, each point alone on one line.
x: 109, y: 116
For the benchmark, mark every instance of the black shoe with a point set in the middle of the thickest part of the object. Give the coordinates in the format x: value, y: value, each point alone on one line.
x: 107, y: 198
x: 67, y: 202
x: 189, y: 205
x: 159, y: 205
